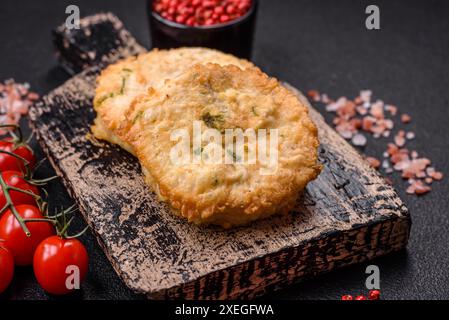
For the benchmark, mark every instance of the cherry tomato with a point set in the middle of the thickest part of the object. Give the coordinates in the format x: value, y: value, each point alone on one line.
x: 9, y: 162
x: 21, y: 246
x: 374, y: 295
x: 6, y: 268
x: 51, y: 261
x: 15, y: 179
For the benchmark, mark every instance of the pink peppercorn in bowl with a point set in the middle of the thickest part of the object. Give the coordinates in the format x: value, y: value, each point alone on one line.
x: 226, y: 25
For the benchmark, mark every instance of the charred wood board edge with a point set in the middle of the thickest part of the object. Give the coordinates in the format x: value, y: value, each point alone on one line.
x: 356, y: 239
x: 100, y: 40
x: 277, y: 270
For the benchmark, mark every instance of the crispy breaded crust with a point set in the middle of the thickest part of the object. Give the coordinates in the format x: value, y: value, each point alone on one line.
x: 223, y: 194
x: 120, y: 83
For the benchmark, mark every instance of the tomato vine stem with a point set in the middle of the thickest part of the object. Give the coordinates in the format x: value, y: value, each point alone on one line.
x: 59, y: 220
x: 26, y: 163
x: 60, y: 223
x: 15, y: 128
x: 9, y: 204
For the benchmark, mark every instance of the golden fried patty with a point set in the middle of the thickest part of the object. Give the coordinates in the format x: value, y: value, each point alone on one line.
x: 120, y: 83
x: 225, y: 99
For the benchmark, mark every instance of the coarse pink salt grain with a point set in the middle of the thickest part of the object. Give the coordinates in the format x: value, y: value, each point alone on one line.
x: 15, y: 99
x: 314, y: 95
x: 410, y: 135
x: 359, y: 140
x: 377, y: 110
x: 422, y: 189
x: 375, y: 163
x: 375, y: 118
x: 436, y: 175
x: 393, y: 110
x: 405, y: 118
x: 365, y: 95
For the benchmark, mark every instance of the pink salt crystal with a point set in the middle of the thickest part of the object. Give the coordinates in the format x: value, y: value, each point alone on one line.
x: 391, y: 109
x: 425, y: 161
x: 399, y: 140
x: 406, y: 174
x: 365, y: 95
x: 389, y: 124
x: 421, y: 174
x: 392, y: 149
x: 373, y: 162
x: 337, y: 120
x: 367, y: 123
x: 437, y: 175
x: 334, y: 106
x: 314, y: 95
x: 420, y: 163
x: 33, y: 96
x: 361, y: 110
x: 347, y: 110
x: 346, y: 134
x: 421, y: 188
x: 377, y: 110
x: 356, y: 123
x: 430, y: 170
x: 410, y: 189
x: 405, y: 118
x: 379, y: 128
x: 401, y: 165
x: 360, y: 114
x: 325, y: 99
x: 410, y: 135
x: 15, y: 100
x: 345, y: 129
x: 358, y: 100
x: 358, y: 140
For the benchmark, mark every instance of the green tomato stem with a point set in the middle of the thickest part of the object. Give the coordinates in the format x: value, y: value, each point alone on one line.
x: 10, y: 205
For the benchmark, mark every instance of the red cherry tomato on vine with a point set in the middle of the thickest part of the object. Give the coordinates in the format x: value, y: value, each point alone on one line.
x: 15, y: 179
x: 54, y: 263
x: 9, y: 162
x: 18, y: 243
x: 6, y: 268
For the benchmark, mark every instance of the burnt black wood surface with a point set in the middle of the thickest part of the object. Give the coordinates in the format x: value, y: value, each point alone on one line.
x: 313, y: 45
x: 348, y: 215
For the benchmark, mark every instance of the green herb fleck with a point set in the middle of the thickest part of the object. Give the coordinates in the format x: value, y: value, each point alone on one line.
x: 198, y: 151
x: 213, y: 121
x: 102, y: 99
x: 233, y: 155
x: 138, y: 116
x: 122, y: 88
x: 253, y: 109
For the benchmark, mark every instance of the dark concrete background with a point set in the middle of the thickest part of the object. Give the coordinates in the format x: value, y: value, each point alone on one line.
x: 311, y: 44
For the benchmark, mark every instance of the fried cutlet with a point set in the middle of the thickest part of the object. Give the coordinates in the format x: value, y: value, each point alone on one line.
x: 226, y: 99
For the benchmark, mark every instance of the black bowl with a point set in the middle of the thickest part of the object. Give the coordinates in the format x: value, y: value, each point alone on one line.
x: 235, y: 37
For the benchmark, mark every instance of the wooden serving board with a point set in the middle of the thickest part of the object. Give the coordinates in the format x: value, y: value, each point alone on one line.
x: 349, y: 214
